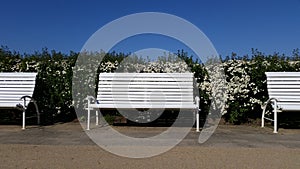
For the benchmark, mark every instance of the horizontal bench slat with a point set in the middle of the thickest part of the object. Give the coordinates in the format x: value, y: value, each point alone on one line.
x: 125, y: 86
x: 135, y: 100
x: 11, y: 103
x: 146, y: 80
x: 145, y: 106
x: 16, y: 86
x: 283, y: 86
x: 284, y: 93
x: 287, y: 106
x: 183, y: 83
x: 23, y: 93
x: 31, y: 82
x: 284, y: 90
x: 146, y: 90
x: 8, y: 105
x: 288, y: 103
x: 119, y: 74
x: 283, y: 82
x: 124, y: 93
x: 17, y: 78
x: 18, y: 89
x: 286, y: 96
x: 283, y: 79
x: 9, y: 99
x: 22, y: 74
x: 289, y: 99
x: 141, y: 96
x: 271, y: 74
x: 143, y: 101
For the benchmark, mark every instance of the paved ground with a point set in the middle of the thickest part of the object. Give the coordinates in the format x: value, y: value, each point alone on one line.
x: 224, y: 136
x: 67, y: 146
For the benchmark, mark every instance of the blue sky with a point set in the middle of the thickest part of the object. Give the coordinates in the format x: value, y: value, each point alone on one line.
x: 232, y: 25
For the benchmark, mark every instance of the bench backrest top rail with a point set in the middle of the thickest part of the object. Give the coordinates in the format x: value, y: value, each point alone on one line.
x: 145, y: 90
x: 14, y: 85
x: 285, y: 87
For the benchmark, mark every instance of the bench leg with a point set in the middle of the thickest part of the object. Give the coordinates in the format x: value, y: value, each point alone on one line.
x: 88, y: 119
x: 263, y: 115
x: 197, y: 121
x: 263, y: 119
x: 275, y: 119
x: 23, y: 120
x: 97, y: 118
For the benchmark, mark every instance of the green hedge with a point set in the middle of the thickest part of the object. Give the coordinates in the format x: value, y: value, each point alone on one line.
x: 53, y: 90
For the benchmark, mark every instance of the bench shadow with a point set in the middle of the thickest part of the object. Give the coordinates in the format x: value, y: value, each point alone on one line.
x: 162, y: 121
x: 289, y: 120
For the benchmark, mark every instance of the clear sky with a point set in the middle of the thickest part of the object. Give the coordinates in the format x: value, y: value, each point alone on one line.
x: 232, y: 25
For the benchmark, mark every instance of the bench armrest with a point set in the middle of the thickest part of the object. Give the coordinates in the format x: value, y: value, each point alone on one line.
x: 268, y: 101
x: 264, y: 107
x: 24, y: 105
x: 90, y: 98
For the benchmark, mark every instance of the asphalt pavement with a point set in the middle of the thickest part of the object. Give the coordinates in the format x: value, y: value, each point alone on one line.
x: 224, y: 136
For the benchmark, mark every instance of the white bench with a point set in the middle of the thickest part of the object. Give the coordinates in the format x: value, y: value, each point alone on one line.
x: 145, y: 91
x: 16, y: 91
x: 284, y: 94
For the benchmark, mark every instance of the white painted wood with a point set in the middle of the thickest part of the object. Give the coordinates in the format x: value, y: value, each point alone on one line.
x: 13, y: 86
x: 139, y: 105
x: 284, y: 91
x: 145, y: 90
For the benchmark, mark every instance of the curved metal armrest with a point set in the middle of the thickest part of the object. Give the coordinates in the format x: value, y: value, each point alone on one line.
x: 264, y: 106
x: 24, y: 97
x: 24, y: 107
x: 24, y: 101
x: 90, y: 98
x: 268, y: 101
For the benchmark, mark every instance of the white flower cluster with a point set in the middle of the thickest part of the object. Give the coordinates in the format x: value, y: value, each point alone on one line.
x: 175, y: 66
x: 239, y: 86
x: 215, y: 86
x: 16, y: 65
x: 108, y: 66
x: 58, y: 76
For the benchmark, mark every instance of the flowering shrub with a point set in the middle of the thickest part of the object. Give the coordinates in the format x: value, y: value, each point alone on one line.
x: 53, y: 83
x: 241, y: 90
x: 244, y: 84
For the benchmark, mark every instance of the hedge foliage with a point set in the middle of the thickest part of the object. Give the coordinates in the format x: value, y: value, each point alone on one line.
x: 245, y: 78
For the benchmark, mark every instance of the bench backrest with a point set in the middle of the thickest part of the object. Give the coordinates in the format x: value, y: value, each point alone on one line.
x: 285, y: 86
x: 13, y: 86
x: 145, y: 90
